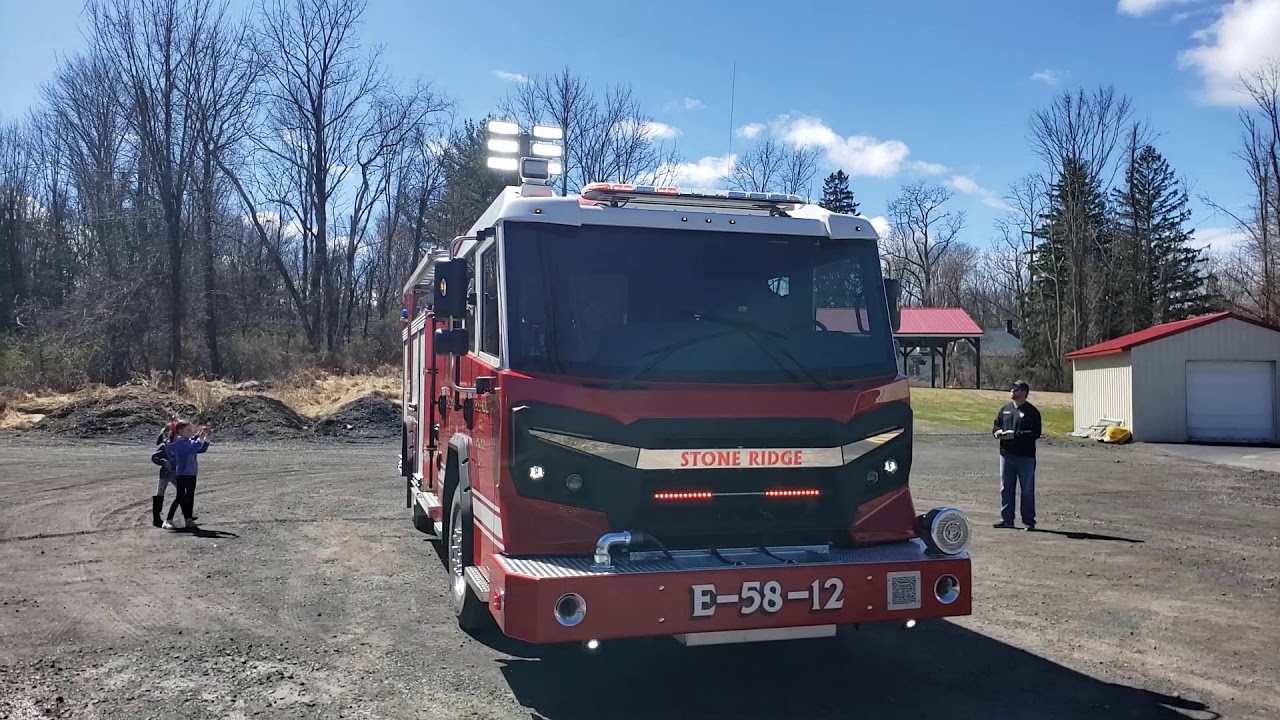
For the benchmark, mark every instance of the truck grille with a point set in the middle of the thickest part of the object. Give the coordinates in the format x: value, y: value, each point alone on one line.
x: 738, y: 513
x: 603, y: 454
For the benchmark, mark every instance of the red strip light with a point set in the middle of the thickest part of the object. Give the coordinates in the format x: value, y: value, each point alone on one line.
x: 708, y: 495
x: 687, y: 495
x: 792, y: 493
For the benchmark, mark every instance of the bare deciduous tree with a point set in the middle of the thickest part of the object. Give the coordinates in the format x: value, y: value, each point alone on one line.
x: 222, y: 110
x: 558, y: 100
x: 607, y: 138
x: 393, y: 120
x: 773, y: 166
x: 922, y: 232
x: 156, y: 47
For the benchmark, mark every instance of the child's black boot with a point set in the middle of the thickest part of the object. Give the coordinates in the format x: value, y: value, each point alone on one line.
x: 157, y: 504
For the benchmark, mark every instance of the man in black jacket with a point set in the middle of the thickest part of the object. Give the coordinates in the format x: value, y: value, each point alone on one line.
x: 1017, y: 427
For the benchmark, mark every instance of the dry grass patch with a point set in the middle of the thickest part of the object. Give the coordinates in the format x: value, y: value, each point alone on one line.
x: 313, y: 395
x: 317, y: 395
x: 997, y: 398
x: 975, y: 409
x: 22, y: 410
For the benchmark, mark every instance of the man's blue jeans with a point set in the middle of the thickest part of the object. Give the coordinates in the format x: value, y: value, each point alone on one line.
x: 1018, y: 472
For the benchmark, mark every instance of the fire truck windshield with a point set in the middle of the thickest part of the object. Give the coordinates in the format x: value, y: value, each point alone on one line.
x: 693, y: 306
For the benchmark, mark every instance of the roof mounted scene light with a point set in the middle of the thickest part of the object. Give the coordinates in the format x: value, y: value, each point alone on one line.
x: 503, y: 127
x: 514, y: 151
x: 548, y: 132
x: 621, y: 194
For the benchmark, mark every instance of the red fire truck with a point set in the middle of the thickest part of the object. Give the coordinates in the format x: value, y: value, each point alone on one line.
x: 646, y: 411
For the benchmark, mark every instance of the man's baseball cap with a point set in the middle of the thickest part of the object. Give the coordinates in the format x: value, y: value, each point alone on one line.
x: 1020, y: 385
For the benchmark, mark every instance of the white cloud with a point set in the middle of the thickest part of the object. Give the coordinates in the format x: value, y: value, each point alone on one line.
x: 710, y: 171
x: 881, y: 224
x: 1049, y: 76
x: 856, y: 154
x: 687, y: 103
x: 751, y: 130
x: 1218, y: 239
x: 510, y: 76
x: 1185, y: 15
x: 969, y: 186
x: 661, y: 130
x: 1240, y: 41
x: 928, y: 168
x: 1138, y: 8
x: 651, y: 129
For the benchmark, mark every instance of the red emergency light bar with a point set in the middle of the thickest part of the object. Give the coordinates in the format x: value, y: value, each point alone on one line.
x: 690, y: 495
x: 708, y: 495
x: 792, y: 493
x: 622, y: 193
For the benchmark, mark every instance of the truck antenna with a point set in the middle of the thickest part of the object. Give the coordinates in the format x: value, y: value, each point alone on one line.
x: 733, y: 91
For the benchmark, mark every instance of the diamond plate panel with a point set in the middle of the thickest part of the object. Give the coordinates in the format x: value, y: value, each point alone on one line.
x: 551, y: 567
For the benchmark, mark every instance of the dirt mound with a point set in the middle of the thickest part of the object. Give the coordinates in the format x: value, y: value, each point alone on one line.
x: 128, y: 415
x: 368, y: 416
x: 254, y: 416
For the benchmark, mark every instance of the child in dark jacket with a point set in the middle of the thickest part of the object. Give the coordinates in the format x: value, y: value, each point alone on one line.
x: 184, y: 448
x: 162, y: 458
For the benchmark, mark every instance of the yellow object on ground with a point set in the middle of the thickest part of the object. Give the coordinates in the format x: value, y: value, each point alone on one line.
x: 1117, y: 434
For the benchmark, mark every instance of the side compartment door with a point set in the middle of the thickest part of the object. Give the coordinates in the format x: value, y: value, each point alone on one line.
x: 421, y: 412
x: 413, y: 405
x: 407, y: 464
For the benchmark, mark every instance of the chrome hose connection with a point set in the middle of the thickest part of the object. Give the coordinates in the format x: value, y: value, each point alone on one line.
x: 605, y: 546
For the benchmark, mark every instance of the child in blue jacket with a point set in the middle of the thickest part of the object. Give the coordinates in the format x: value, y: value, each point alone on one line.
x: 183, y: 449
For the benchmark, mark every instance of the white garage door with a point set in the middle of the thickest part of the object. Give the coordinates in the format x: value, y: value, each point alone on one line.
x: 1231, y: 401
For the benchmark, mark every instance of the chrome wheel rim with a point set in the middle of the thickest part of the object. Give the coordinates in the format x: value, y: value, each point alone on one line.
x: 455, y: 557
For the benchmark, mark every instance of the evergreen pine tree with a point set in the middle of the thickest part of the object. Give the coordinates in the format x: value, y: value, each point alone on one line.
x: 1166, y: 274
x: 836, y: 195
x: 1069, y: 285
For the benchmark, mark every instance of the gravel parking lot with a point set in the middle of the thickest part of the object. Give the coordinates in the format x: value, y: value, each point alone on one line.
x: 1152, y: 592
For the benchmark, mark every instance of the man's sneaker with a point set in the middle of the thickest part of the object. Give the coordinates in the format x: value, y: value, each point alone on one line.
x: 168, y: 525
x: 1030, y: 527
x: 1003, y: 525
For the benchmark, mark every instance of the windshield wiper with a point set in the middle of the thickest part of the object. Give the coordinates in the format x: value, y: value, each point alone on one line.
x: 754, y: 332
x: 661, y: 354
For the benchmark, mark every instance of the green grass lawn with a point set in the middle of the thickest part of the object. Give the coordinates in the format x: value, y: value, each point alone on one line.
x: 975, y: 409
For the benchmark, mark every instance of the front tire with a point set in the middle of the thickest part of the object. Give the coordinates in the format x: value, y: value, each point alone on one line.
x: 472, y: 613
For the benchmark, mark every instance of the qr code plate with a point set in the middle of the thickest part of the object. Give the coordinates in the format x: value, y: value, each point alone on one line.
x: 904, y: 590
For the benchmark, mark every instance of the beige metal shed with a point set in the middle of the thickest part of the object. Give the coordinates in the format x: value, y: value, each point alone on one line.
x: 1213, y: 378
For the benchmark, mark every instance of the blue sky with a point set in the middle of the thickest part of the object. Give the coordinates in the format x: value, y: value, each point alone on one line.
x: 893, y: 91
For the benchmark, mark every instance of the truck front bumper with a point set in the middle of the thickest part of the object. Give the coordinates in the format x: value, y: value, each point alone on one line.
x: 691, y: 593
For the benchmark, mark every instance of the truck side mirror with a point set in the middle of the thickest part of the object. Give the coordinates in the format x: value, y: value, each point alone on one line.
x: 893, y: 293
x: 450, y: 342
x: 450, y: 289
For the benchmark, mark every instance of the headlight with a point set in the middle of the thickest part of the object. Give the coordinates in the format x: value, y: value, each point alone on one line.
x: 946, y: 531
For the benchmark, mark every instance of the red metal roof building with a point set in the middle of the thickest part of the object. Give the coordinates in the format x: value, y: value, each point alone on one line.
x: 952, y: 323
x: 1213, y: 378
x: 933, y: 329
x: 1151, y: 334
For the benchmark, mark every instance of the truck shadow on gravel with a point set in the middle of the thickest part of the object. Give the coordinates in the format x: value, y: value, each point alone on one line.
x: 877, y: 672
